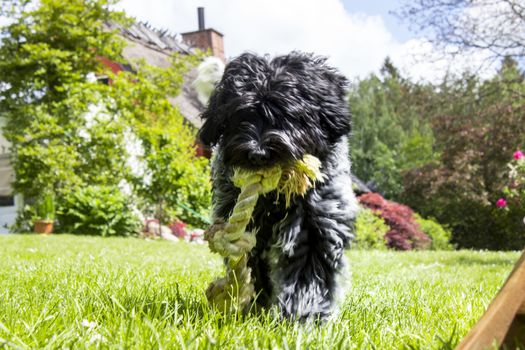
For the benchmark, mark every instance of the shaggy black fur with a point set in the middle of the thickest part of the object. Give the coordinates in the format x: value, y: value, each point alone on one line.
x: 265, y: 112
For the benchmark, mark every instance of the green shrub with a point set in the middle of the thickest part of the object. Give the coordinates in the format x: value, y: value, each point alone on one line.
x: 45, y: 208
x: 97, y: 210
x: 439, y: 235
x: 370, y: 230
x: 42, y: 208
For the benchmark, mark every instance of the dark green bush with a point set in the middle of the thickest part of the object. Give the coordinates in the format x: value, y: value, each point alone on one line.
x: 477, y: 225
x: 439, y: 235
x: 370, y: 230
x: 97, y: 210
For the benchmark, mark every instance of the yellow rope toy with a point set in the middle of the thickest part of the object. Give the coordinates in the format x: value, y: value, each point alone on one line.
x: 235, y: 291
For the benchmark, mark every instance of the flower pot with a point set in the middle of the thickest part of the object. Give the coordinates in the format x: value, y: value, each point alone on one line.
x: 43, y: 226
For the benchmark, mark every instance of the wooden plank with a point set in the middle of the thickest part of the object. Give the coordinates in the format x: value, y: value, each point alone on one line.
x: 515, y: 338
x: 522, y: 309
x: 501, y: 314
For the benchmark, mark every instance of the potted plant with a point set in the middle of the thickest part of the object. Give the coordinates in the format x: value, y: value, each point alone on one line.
x: 45, y: 211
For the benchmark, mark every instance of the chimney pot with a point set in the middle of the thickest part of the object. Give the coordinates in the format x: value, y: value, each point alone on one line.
x: 205, y: 39
x: 200, y: 14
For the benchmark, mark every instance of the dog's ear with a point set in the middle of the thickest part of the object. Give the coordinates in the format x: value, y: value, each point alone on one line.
x: 335, y: 112
x: 234, y: 89
x: 213, y: 126
x: 324, y: 88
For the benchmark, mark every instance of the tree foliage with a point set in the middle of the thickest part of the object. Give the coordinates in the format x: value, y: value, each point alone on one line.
x: 443, y: 149
x: 477, y: 126
x: 174, y: 179
x: 388, y: 135
x: 45, y: 56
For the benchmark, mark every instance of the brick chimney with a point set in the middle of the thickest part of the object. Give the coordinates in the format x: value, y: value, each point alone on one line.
x: 205, y: 39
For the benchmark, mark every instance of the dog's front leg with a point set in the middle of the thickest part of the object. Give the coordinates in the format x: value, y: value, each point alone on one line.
x: 224, y: 192
x: 308, y: 256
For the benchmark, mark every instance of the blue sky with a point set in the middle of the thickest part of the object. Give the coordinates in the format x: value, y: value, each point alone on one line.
x: 383, y: 9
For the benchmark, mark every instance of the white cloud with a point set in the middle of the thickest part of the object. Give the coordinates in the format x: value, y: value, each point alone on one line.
x: 356, y: 43
x: 419, y: 60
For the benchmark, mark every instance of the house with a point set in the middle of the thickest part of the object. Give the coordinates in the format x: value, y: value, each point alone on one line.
x: 155, y: 47
x: 9, y: 203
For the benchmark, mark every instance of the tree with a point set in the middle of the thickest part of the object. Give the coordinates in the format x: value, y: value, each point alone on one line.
x: 476, y: 126
x: 388, y: 134
x: 443, y: 149
x: 456, y: 26
x: 46, y: 53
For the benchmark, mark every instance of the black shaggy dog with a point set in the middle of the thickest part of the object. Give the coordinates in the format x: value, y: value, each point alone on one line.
x: 265, y: 112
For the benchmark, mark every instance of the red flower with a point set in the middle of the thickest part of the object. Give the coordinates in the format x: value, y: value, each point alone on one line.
x: 501, y: 203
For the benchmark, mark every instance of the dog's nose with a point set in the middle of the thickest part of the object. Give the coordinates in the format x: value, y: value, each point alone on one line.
x: 258, y: 157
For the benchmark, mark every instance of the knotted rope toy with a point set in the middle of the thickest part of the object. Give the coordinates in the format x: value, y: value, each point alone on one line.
x: 235, y: 291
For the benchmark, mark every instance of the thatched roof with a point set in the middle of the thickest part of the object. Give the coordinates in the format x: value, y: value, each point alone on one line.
x: 187, y: 101
x: 153, y: 39
x: 156, y: 48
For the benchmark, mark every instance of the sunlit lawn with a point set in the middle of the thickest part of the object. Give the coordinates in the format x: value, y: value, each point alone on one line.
x: 65, y: 291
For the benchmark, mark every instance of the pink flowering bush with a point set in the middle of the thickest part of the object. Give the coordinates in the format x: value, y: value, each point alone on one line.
x: 511, y: 209
x: 515, y: 190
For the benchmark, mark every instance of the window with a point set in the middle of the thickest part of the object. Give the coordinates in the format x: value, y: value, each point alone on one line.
x: 7, y: 201
x: 6, y: 178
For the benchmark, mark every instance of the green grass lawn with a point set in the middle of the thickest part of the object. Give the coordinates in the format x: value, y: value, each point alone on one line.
x: 88, y: 292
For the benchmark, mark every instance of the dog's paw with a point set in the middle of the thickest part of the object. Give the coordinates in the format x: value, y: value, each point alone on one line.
x: 228, y: 296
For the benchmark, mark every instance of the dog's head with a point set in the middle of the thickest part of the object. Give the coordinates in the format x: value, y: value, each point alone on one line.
x: 264, y: 111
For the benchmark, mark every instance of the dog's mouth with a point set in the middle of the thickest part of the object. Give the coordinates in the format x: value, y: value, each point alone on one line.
x: 256, y: 158
x: 257, y: 151
x: 253, y: 159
